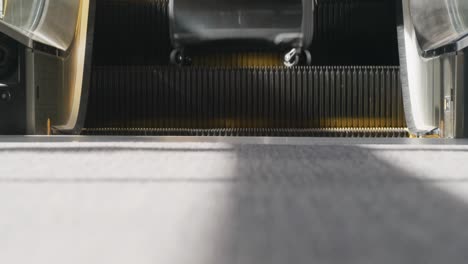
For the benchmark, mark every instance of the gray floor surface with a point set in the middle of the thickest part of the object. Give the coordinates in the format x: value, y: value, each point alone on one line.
x: 207, y: 201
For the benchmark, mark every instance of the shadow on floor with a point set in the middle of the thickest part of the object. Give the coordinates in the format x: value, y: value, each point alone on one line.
x: 338, y: 204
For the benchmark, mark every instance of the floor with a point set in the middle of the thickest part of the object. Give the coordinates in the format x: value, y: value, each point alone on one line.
x: 236, y: 200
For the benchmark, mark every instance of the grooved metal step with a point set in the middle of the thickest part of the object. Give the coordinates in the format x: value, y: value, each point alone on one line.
x: 131, y: 32
x: 253, y: 132
x: 206, y: 98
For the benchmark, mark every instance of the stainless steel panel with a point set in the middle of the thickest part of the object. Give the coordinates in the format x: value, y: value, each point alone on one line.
x: 24, y: 14
x: 433, y: 89
x: 51, y: 22
x: 55, y: 83
x: 440, y: 24
x: 279, y: 22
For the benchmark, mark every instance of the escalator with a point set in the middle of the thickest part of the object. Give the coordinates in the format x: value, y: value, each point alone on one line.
x: 351, y: 88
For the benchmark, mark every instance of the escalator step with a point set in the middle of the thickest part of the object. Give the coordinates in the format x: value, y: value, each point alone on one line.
x: 145, y: 97
x: 355, y: 32
x: 252, y: 132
